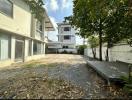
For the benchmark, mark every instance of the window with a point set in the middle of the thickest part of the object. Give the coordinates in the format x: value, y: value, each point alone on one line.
x: 6, y: 6
x: 5, y: 46
x: 19, y: 49
x: 36, y: 48
x: 67, y: 37
x: 39, y: 26
x: 66, y: 47
x: 67, y: 28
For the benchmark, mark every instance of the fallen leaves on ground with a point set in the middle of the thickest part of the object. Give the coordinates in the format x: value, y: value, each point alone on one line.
x: 32, y: 86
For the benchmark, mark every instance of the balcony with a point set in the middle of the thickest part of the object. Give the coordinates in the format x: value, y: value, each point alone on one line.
x: 39, y: 35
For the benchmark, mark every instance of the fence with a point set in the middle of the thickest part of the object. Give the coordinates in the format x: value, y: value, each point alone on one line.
x: 118, y: 52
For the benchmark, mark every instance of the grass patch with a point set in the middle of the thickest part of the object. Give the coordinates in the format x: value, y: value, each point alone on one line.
x: 30, y: 65
x: 35, y: 64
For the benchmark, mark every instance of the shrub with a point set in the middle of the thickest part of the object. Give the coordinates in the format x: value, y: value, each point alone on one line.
x: 70, y: 52
x: 81, y: 49
x: 128, y: 82
x: 64, y: 52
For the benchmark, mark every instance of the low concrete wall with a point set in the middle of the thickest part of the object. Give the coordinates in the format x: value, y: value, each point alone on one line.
x: 5, y: 63
x: 34, y: 57
x: 119, y: 52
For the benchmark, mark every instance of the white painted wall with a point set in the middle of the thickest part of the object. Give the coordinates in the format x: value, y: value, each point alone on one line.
x: 71, y: 43
x: 119, y: 52
x: 21, y: 21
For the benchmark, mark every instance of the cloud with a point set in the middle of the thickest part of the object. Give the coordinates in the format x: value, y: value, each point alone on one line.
x: 53, y: 5
x: 66, y: 4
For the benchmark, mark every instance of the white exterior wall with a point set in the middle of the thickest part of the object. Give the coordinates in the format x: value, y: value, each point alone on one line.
x: 21, y: 21
x: 122, y: 53
x: 22, y: 25
x: 71, y: 43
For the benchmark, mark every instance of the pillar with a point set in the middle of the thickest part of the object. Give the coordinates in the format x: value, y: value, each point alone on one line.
x: 13, y: 41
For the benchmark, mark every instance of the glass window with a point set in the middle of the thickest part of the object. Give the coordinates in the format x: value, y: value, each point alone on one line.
x: 67, y: 37
x: 67, y: 28
x: 66, y: 47
x: 19, y: 49
x: 6, y: 6
x: 39, y: 26
x: 36, y: 48
x: 5, y: 46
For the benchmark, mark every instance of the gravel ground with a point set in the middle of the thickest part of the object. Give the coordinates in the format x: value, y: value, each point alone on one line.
x: 55, y: 76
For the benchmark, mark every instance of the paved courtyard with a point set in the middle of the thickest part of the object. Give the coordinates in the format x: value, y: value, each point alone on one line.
x: 71, y: 70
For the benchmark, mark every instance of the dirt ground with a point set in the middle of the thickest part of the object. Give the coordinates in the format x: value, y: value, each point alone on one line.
x: 55, y: 76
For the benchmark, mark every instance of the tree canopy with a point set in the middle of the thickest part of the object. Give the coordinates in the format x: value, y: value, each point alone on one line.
x: 109, y: 18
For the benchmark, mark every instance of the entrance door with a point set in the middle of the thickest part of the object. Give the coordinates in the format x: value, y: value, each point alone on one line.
x: 19, y: 50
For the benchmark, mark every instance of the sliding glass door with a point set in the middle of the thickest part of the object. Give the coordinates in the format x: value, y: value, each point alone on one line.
x: 19, y: 50
x: 5, y: 46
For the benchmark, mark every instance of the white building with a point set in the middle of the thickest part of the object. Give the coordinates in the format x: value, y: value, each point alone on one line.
x: 22, y: 36
x: 66, y: 37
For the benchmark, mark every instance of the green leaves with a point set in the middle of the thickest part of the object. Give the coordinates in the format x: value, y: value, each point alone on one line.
x: 36, y: 8
x: 93, y: 41
x: 110, y: 18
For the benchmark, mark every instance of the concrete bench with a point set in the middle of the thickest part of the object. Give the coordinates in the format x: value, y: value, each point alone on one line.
x: 110, y: 71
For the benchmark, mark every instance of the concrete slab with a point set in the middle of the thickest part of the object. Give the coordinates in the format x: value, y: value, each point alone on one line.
x: 111, y: 71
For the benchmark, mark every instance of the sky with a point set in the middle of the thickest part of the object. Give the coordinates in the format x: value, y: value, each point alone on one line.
x: 57, y: 10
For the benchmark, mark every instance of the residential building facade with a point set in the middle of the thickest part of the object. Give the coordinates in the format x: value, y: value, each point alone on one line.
x: 22, y: 36
x: 67, y: 38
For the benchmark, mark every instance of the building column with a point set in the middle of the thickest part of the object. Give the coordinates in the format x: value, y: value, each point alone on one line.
x: 32, y: 48
x: 26, y: 49
x: 44, y: 47
x: 13, y: 42
x: 43, y: 21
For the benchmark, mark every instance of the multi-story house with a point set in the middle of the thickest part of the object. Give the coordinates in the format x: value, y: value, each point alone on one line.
x: 22, y: 36
x: 67, y: 38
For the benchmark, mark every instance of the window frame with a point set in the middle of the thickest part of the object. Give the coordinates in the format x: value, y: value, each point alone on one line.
x: 37, y: 48
x: 67, y: 38
x: 9, y: 47
x: 12, y: 15
x: 67, y: 30
x: 39, y: 25
x: 65, y: 47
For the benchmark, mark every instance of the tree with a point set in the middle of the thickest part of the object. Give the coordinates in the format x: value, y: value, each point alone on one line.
x: 118, y: 23
x: 89, y: 15
x: 101, y: 17
x: 93, y: 42
x: 36, y: 7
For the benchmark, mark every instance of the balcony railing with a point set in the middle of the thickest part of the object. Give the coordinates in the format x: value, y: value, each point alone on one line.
x: 40, y: 34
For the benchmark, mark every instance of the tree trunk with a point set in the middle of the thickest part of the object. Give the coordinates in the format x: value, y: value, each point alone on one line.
x: 107, y: 53
x: 94, y: 52
x: 100, y: 45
